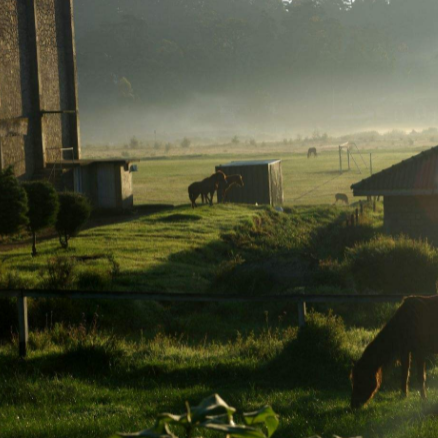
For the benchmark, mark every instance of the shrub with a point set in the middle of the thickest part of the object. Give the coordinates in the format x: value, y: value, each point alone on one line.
x: 13, y: 203
x: 235, y: 140
x: 319, y: 355
x: 60, y: 273
x: 74, y: 210
x: 168, y: 147
x: 43, y: 207
x: 393, y: 265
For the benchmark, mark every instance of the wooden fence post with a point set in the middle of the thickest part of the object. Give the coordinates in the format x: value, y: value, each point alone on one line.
x: 374, y: 204
x: 352, y: 219
x: 22, y: 324
x: 302, y: 311
x: 357, y: 216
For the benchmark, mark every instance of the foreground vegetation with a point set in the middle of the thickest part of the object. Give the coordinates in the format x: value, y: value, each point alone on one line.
x: 80, y: 382
x: 96, y: 368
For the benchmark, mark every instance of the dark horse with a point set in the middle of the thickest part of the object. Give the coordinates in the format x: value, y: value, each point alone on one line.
x: 232, y: 180
x: 311, y: 151
x: 411, y: 333
x: 206, y: 187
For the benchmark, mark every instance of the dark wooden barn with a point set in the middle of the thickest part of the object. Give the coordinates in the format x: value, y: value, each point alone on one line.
x: 410, y: 191
x: 263, y: 182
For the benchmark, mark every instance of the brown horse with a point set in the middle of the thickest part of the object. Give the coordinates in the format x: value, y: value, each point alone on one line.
x: 232, y: 180
x: 206, y: 187
x: 312, y: 151
x: 411, y: 332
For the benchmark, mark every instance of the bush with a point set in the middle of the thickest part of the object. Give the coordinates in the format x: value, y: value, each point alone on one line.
x: 319, y: 355
x: 393, y: 265
x: 60, y: 273
x: 43, y: 207
x: 74, y: 210
x: 13, y: 203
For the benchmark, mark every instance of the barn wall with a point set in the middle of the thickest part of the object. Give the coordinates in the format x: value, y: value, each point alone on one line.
x: 256, y: 184
x: 415, y: 216
x: 18, y: 92
x: 37, y: 83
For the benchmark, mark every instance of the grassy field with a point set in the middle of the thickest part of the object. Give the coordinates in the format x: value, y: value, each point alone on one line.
x: 165, y: 180
x: 99, y: 367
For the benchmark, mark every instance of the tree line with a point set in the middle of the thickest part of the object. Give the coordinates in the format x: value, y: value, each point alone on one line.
x: 167, y: 50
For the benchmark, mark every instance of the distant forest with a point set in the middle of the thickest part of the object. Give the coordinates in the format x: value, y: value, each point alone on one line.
x: 162, y: 52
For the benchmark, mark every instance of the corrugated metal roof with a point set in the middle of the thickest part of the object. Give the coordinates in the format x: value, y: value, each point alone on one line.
x: 417, y: 175
x: 249, y: 163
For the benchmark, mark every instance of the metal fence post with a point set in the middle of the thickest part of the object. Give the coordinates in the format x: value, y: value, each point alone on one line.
x: 22, y: 324
x: 302, y: 313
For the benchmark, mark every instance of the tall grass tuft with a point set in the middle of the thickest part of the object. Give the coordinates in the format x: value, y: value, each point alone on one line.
x: 319, y: 355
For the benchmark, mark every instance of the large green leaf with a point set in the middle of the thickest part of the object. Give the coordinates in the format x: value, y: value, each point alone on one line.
x: 266, y: 416
x: 166, y: 418
x: 213, y: 405
x: 233, y: 430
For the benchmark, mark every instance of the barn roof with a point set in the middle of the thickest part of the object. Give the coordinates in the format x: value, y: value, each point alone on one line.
x: 249, y: 163
x: 417, y: 175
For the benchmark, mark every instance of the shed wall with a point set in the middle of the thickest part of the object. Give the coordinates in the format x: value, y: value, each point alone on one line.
x: 415, y: 216
x: 276, y: 178
x: 257, y: 184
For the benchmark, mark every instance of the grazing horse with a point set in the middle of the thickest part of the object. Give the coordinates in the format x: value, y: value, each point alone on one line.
x: 232, y: 180
x: 411, y: 333
x: 341, y: 197
x: 206, y: 187
x: 312, y: 151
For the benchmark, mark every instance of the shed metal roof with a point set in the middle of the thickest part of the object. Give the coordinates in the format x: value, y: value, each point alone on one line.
x: 249, y: 163
x: 417, y: 175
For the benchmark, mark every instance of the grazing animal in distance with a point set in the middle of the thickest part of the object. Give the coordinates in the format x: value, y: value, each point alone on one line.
x: 206, y: 187
x: 411, y: 333
x: 312, y: 151
x: 232, y: 180
x: 341, y: 197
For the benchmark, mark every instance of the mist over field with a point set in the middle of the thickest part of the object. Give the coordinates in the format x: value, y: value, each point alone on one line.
x: 254, y: 67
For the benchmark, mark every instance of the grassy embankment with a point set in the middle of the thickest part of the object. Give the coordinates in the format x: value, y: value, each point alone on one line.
x: 88, y: 380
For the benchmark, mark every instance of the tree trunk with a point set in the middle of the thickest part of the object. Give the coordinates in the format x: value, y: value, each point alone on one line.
x: 34, y: 251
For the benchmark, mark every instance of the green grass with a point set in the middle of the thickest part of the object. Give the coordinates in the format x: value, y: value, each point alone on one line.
x: 72, y: 391
x: 166, y: 180
x: 148, y: 358
x: 155, y: 252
